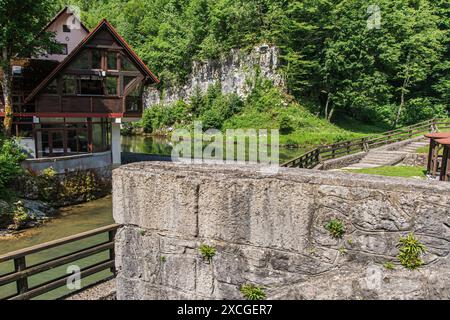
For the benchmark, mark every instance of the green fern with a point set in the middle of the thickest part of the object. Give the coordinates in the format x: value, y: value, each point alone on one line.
x: 252, y: 292
x: 410, y: 252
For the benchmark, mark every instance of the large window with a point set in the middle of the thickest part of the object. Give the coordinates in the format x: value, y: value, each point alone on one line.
x: 112, y: 60
x: 82, y: 62
x: 133, y: 102
x: 91, y: 85
x: 70, y: 85
x: 71, y: 136
x: 96, y: 59
x: 127, y: 65
x: 52, y: 88
x: 111, y: 85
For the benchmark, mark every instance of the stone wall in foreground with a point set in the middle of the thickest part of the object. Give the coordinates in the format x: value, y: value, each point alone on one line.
x: 269, y: 230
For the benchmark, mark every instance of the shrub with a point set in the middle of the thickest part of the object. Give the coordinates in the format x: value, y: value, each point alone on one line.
x: 20, y: 215
x: 252, y: 292
x: 336, y: 228
x: 285, y: 124
x: 11, y: 155
x: 410, y: 251
x: 420, y: 109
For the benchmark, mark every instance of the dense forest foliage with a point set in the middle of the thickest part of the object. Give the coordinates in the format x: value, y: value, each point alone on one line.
x: 386, y: 63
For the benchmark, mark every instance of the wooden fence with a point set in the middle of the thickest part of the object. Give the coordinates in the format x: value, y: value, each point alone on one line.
x: 22, y: 271
x: 320, y: 154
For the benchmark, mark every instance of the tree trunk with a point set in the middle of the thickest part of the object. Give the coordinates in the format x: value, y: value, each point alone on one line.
x: 326, y: 105
x: 402, y: 101
x: 331, y: 113
x: 6, y: 82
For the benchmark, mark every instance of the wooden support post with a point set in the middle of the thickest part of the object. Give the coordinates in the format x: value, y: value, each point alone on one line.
x: 22, y: 283
x: 444, y: 170
x: 447, y: 164
x: 435, y: 159
x: 430, y: 156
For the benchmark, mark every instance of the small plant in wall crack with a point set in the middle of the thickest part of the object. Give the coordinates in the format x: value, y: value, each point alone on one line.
x: 252, y: 292
x: 207, y: 252
x: 163, y: 259
x: 336, y: 228
x: 410, y: 251
x: 388, y: 265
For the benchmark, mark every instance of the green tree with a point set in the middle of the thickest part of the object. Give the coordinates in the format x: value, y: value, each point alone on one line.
x: 20, y: 26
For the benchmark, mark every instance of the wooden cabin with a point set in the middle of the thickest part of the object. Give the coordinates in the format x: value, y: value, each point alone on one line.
x: 73, y: 102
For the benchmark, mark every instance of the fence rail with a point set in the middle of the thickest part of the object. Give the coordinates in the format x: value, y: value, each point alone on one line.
x: 320, y: 154
x: 22, y: 271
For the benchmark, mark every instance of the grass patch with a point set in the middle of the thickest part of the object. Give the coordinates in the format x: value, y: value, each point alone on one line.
x: 307, y: 130
x: 426, y: 150
x: 394, y: 171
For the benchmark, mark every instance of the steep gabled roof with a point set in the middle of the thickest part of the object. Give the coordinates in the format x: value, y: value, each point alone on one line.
x: 103, y: 24
x: 59, y: 14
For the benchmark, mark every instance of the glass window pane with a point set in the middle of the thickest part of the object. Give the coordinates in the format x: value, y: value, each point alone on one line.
x: 57, y: 143
x: 112, y: 60
x: 127, y: 65
x: 96, y: 59
x: 91, y: 85
x: 99, y: 137
x: 52, y: 88
x: 82, y: 62
x: 126, y: 81
x: 69, y: 85
x: 111, y: 85
x: 133, y: 101
x: 25, y: 130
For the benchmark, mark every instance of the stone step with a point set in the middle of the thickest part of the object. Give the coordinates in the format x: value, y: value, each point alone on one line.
x: 381, y: 163
x: 362, y: 166
x: 380, y: 157
x: 386, y: 159
x: 419, y: 144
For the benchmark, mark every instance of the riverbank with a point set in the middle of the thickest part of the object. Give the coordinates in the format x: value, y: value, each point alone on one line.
x: 70, y: 220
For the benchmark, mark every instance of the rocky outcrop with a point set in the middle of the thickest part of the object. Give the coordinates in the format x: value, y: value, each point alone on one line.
x: 269, y: 230
x: 23, y: 214
x: 236, y: 73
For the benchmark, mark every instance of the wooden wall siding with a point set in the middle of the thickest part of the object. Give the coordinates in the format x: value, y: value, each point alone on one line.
x: 103, y: 38
x: 46, y: 103
x: 77, y: 104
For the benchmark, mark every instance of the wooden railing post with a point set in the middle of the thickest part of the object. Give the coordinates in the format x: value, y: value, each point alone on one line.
x: 22, y: 283
x: 365, y: 145
x: 112, y: 255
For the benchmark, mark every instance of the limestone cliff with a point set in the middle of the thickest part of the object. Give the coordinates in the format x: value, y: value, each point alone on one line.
x: 236, y: 72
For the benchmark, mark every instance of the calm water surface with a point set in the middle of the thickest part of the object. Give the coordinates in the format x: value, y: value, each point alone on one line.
x: 162, y: 146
